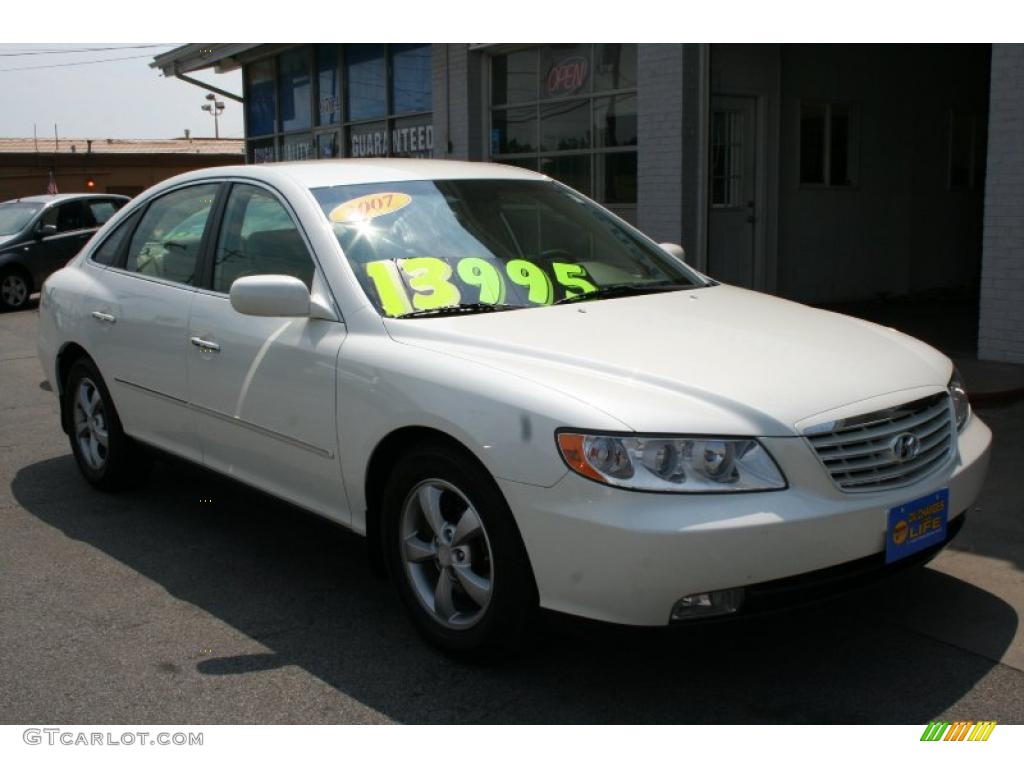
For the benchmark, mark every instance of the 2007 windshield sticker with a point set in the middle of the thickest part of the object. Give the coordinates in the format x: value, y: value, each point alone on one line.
x: 426, y: 282
x: 369, y: 207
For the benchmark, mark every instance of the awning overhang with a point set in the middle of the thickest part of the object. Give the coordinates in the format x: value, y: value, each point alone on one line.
x: 193, y: 57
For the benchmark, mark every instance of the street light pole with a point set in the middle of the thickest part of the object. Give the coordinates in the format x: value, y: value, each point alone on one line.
x: 215, y: 108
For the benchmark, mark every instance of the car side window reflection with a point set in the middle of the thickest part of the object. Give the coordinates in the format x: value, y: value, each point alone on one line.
x: 102, y: 210
x: 258, y: 237
x: 108, y: 251
x: 68, y: 217
x: 166, y: 242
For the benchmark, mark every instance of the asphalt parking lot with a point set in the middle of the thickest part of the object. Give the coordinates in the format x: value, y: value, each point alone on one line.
x: 191, y: 600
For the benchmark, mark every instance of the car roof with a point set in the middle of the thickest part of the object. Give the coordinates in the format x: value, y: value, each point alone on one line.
x: 329, y: 173
x: 47, y: 199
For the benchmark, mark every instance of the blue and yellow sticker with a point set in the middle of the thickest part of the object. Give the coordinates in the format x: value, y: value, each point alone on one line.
x: 916, y: 525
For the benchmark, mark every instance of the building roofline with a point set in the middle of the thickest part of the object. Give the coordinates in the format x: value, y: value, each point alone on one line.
x: 193, y: 57
x: 70, y: 147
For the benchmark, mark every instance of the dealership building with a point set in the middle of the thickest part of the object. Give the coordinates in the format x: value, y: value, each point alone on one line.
x: 821, y: 173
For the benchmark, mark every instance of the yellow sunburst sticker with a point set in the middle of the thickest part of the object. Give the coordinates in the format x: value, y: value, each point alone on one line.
x: 369, y: 207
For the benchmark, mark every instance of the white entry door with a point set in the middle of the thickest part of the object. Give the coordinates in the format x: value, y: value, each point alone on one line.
x: 732, y: 204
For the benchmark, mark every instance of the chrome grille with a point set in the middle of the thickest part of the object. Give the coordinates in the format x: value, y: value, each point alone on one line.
x: 859, y: 452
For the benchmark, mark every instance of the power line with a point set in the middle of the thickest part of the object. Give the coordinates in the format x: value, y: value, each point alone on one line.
x: 56, y: 51
x: 75, y: 63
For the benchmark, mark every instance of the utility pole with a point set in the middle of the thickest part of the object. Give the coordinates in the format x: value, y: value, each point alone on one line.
x: 215, y: 108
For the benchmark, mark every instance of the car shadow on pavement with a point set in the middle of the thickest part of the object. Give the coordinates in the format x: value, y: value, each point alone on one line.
x: 1000, y: 507
x: 301, y: 587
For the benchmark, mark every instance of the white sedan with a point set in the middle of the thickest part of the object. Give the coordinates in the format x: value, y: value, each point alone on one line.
x: 520, y: 399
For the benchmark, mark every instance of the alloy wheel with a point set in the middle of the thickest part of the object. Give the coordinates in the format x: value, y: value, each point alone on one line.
x: 14, y: 290
x: 91, y: 424
x: 446, y: 554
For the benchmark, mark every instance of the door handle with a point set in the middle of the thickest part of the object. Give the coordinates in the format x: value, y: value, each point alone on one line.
x: 104, y: 317
x: 204, y: 345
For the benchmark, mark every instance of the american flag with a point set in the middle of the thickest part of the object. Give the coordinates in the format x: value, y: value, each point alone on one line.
x: 51, y: 188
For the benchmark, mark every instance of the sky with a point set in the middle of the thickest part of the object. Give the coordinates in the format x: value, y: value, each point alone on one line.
x: 123, y: 99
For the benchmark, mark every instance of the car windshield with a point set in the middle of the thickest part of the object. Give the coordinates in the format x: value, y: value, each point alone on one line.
x: 14, y: 216
x: 436, y: 247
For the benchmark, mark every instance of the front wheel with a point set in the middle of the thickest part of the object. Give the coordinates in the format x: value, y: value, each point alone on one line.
x: 106, y: 456
x: 455, y: 553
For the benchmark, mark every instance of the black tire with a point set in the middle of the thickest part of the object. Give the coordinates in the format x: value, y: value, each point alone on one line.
x: 502, y: 628
x: 123, y: 462
x: 15, y: 289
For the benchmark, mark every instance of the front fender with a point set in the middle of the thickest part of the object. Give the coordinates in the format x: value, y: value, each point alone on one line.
x: 507, y: 422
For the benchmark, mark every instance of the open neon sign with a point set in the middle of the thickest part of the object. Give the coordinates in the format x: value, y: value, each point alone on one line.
x: 566, y: 77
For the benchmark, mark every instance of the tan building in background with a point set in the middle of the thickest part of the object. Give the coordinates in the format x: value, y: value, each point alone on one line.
x: 120, y: 166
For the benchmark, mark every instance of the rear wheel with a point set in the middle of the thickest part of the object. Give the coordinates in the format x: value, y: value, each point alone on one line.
x: 455, y: 553
x: 15, y: 288
x: 106, y: 456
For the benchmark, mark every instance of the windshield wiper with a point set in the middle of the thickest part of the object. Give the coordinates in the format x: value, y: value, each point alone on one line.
x: 625, y: 289
x: 458, y: 309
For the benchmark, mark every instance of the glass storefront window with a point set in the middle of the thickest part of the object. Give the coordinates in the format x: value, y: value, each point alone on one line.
x: 616, y: 177
x: 411, y: 85
x: 514, y: 78
x: 514, y: 130
x: 294, y: 89
x: 569, y: 111
x: 297, y: 147
x: 261, y: 151
x: 329, y: 106
x: 614, y: 66
x: 564, y: 70
x: 368, y: 140
x: 565, y: 125
x: 413, y: 137
x: 327, y: 145
x: 573, y: 170
x: 259, y: 103
x: 615, y: 121
x: 366, y: 84
x: 376, y: 98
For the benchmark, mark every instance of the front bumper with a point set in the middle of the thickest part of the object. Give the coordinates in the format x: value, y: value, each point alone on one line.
x: 627, y: 557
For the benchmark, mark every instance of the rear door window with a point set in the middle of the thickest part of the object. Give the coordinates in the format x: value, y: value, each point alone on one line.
x: 102, y: 210
x: 167, y: 241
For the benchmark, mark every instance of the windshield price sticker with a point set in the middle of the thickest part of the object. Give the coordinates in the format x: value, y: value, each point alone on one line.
x: 426, y: 282
x: 369, y: 207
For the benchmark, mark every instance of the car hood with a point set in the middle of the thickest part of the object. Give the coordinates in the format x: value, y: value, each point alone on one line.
x: 5, y: 239
x: 716, y: 359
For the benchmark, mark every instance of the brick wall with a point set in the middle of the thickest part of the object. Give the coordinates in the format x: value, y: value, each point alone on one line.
x: 24, y: 174
x: 1001, y: 324
x: 660, y: 141
x: 456, y: 82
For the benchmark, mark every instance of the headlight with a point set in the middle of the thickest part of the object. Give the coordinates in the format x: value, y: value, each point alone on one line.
x: 961, y: 405
x: 672, y: 464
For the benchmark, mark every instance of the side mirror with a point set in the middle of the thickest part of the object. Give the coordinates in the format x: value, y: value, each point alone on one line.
x: 45, y: 230
x: 270, y: 296
x: 674, y: 250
